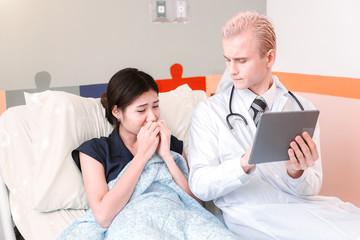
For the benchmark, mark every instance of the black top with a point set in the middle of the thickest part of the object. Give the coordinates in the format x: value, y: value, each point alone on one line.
x: 112, y: 153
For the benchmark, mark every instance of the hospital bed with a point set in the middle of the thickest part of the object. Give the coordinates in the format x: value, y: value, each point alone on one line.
x: 41, y: 189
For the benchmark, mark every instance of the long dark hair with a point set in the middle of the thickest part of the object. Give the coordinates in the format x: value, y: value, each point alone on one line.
x: 123, y: 88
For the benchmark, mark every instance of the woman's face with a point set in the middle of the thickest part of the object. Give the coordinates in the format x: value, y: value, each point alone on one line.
x: 143, y: 109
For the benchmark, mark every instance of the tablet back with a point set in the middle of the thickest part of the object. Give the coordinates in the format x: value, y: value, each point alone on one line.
x: 276, y: 130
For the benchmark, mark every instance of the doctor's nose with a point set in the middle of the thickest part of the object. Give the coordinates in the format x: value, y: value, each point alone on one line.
x: 233, y: 69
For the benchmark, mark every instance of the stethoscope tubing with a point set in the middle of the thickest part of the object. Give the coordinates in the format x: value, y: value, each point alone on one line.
x: 242, y: 117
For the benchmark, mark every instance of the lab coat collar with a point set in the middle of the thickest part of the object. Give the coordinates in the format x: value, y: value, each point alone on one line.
x: 281, y: 98
x: 279, y: 101
x: 269, y: 96
x: 280, y: 87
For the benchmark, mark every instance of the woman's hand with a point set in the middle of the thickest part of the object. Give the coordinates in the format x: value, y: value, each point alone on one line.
x: 163, y: 148
x: 148, y: 139
x: 303, y: 155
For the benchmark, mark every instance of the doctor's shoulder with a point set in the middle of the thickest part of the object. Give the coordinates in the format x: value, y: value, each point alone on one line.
x: 212, y: 105
x: 220, y: 99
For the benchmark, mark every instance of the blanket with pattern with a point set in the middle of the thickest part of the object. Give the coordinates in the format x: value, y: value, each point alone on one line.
x: 157, y: 209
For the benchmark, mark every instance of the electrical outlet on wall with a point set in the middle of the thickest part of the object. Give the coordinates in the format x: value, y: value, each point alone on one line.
x: 169, y: 11
x: 181, y: 9
x: 161, y: 9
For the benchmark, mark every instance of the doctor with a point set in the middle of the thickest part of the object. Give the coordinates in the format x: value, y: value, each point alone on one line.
x: 271, y: 200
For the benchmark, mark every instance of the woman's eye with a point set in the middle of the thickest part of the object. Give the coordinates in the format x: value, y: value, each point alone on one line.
x: 156, y: 106
x: 141, y: 111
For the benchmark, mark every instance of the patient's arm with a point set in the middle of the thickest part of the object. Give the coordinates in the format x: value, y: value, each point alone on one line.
x: 107, y: 204
x: 179, y: 177
x: 164, y: 152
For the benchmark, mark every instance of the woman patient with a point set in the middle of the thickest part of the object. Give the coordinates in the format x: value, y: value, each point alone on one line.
x: 132, y: 106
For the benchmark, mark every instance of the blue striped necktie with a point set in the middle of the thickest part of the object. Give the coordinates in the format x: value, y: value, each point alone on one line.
x: 258, y: 106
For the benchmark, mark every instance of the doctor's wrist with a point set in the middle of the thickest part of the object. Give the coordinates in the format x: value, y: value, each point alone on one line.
x: 245, y: 165
x: 294, y: 173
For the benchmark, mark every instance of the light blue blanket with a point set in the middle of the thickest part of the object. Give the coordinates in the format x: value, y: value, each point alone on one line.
x: 157, y: 209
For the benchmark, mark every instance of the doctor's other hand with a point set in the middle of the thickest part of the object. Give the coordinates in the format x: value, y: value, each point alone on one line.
x: 244, y: 161
x: 303, y: 153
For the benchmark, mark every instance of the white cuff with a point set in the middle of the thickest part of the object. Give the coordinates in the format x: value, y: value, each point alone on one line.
x: 296, y: 181
x: 242, y: 175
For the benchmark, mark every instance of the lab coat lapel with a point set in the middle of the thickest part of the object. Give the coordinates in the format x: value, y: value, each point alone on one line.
x: 281, y: 97
x: 238, y: 106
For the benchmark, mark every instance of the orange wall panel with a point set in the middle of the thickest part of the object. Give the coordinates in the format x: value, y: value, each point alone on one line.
x: 325, y: 85
x: 211, y: 84
x: 176, y: 70
x: 2, y: 102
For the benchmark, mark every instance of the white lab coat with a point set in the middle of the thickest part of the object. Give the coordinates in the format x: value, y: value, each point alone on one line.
x: 267, y: 203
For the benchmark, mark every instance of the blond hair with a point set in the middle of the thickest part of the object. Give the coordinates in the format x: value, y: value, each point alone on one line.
x: 260, y: 26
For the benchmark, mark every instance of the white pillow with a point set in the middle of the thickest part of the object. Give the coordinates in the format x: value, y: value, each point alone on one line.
x: 176, y: 108
x: 59, y: 123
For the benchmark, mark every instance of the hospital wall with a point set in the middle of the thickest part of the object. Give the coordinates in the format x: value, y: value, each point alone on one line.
x: 87, y: 41
x: 318, y: 57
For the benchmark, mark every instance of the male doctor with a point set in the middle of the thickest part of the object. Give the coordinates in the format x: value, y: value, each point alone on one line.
x: 272, y: 200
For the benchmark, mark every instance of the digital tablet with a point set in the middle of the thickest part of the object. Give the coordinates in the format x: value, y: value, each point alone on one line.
x: 276, y: 130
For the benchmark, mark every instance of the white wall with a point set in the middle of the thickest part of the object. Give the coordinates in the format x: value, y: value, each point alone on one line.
x: 322, y: 37
x: 87, y: 41
x: 318, y: 37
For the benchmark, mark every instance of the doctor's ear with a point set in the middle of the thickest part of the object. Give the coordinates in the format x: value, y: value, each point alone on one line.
x: 270, y: 57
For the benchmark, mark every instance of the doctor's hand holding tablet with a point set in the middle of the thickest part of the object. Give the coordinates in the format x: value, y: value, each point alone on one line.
x: 284, y: 136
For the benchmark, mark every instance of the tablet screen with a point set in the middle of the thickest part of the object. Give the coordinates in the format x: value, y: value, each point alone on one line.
x: 276, y: 130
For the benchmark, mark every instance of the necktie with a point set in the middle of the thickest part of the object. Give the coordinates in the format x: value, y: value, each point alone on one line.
x: 258, y: 106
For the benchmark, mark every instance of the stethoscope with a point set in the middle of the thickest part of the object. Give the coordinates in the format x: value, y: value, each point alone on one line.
x: 242, y: 117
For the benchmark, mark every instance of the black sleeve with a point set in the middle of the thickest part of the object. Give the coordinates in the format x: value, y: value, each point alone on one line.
x: 176, y: 145
x: 95, y: 148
